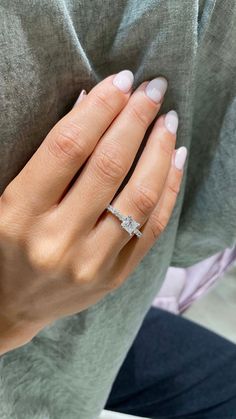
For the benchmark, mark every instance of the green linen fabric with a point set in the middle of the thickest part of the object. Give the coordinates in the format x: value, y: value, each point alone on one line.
x: 49, y: 51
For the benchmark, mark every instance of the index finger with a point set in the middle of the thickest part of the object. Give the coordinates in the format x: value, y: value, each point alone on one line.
x: 48, y: 173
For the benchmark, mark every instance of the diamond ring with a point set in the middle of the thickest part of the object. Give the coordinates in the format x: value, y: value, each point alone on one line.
x: 127, y: 222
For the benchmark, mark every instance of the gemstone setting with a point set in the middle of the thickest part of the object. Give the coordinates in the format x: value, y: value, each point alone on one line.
x: 129, y: 224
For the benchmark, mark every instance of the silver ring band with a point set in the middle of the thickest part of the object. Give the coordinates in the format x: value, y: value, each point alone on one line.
x: 127, y: 222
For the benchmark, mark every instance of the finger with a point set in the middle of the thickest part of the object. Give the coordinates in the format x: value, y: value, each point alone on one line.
x: 113, y: 156
x: 47, y: 174
x: 135, y: 250
x: 144, y: 189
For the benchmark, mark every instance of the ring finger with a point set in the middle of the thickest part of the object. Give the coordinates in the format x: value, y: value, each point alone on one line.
x: 144, y: 189
x: 132, y: 254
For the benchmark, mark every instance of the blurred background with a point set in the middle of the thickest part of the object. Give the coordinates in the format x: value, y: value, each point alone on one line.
x: 217, y: 309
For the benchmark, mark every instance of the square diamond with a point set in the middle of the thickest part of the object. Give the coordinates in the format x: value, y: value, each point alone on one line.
x: 129, y: 224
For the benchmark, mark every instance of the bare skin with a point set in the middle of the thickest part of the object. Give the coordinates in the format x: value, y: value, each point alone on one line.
x: 60, y: 250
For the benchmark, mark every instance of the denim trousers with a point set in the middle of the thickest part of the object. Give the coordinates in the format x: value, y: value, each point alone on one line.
x: 176, y: 369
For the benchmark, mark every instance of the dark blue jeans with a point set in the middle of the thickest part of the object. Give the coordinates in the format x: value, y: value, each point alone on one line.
x: 176, y: 369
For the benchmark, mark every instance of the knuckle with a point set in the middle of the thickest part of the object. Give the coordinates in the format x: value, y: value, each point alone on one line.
x: 144, y: 199
x: 101, y: 99
x: 174, y: 188
x: 166, y: 145
x: 43, y: 256
x: 109, y: 164
x: 157, y: 226
x: 139, y: 113
x: 68, y: 143
x: 82, y: 275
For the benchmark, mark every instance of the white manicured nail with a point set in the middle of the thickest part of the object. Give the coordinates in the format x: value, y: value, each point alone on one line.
x: 172, y: 121
x: 180, y: 157
x: 156, y: 89
x: 124, y: 80
x: 82, y: 95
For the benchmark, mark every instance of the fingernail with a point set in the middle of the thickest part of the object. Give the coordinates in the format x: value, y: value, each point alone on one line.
x: 156, y: 89
x: 172, y: 121
x: 124, y: 80
x: 180, y: 157
x: 82, y: 95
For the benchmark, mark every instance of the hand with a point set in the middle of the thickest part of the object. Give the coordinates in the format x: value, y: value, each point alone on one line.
x: 60, y: 250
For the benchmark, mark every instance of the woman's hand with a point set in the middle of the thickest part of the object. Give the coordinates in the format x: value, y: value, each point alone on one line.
x: 60, y: 250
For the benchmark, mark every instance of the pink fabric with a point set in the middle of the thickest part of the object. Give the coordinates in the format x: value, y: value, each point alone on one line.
x: 182, y: 286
